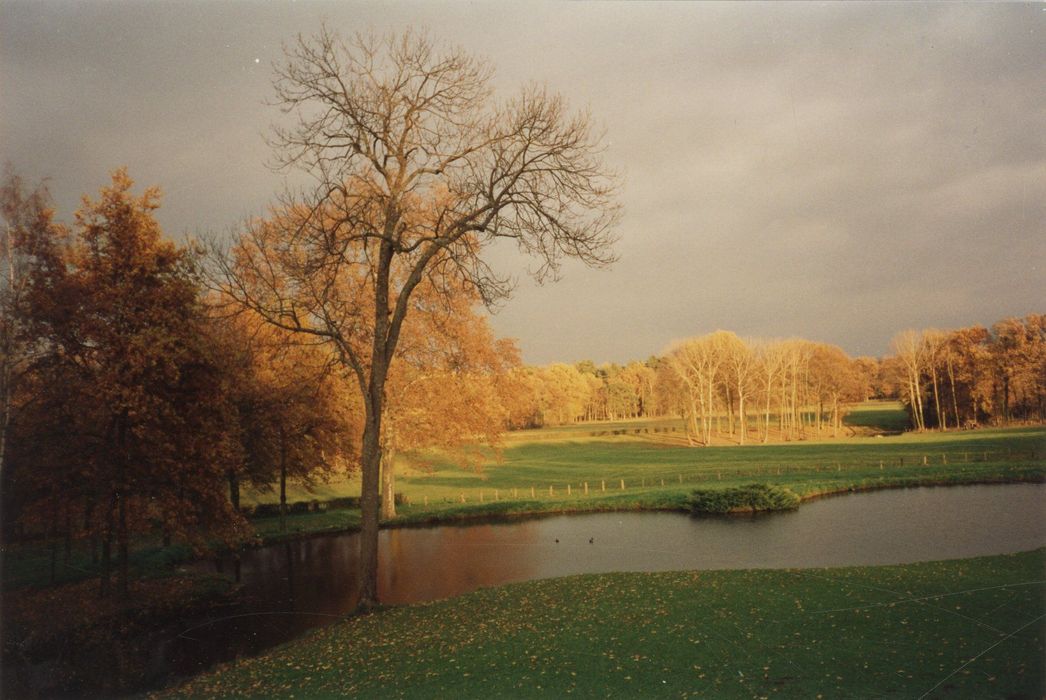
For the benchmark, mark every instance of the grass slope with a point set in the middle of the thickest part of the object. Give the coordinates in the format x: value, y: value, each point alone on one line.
x: 966, y: 628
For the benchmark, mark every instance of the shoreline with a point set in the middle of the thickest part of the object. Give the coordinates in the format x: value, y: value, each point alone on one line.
x: 481, y: 514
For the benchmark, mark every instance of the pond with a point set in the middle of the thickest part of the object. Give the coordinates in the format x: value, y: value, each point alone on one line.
x: 300, y: 585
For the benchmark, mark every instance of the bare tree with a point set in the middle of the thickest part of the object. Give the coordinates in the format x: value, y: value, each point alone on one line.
x: 416, y: 169
x: 909, y: 348
x: 770, y: 363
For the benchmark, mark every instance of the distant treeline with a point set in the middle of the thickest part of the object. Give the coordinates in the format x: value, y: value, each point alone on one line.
x: 970, y: 376
x: 721, y: 384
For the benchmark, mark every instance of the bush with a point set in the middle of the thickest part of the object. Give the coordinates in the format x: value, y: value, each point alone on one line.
x: 750, y: 498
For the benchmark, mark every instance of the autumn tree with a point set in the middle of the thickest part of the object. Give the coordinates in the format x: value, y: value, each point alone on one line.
x: 443, y: 388
x: 417, y: 169
x: 837, y: 381
x: 740, y: 364
x: 697, y: 366
x: 125, y: 378
x: 294, y: 416
x: 769, y: 368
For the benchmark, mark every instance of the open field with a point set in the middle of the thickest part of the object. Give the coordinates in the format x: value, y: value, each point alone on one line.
x: 547, y: 470
x: 966, y: 628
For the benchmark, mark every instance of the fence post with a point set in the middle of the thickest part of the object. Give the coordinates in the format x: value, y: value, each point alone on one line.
x: 603, y: 484
x: 680, y: 478
x: 586, y: 488
x: 568, y: 489
x: 496, y: 496
x: 924, y: 460
x: 622, y: 484
x: 550, y: 491
x: 426, y: 501
x: 532, y: 492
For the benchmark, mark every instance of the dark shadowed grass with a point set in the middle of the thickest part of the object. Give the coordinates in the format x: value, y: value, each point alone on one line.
x: 965, y: 628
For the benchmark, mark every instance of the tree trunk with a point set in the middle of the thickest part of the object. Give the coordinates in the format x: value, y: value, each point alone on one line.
x: 5, y: 412
x: 942, y: 424
x: 283, y: 480
x: 122, y: 541
x: 729, y: 411
x: 388, y: 485
x: 766, y: 425
x: 107, y: 547
x: 68, y: 533
x: 234, y: 490
x: 371, y: 468
x: 955, y: 400
x: 742, y: 420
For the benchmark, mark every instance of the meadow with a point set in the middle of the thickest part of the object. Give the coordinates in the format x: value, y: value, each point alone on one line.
x: 966, y: 628
x: 645, y: 464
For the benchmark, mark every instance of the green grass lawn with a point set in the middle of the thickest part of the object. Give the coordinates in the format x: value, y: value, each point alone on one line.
x: 536, y: 468
x: 965, y: 628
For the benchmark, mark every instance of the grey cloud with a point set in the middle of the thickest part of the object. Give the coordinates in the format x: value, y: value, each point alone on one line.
x: 837, y: 171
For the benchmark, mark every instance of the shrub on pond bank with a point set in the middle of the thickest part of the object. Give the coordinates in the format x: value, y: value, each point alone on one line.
x: 750, y: 498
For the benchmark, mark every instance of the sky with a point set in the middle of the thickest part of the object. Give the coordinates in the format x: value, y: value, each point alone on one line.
x: 833, y: 171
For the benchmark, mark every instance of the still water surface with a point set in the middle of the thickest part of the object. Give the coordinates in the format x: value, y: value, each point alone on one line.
x: 300, y: 585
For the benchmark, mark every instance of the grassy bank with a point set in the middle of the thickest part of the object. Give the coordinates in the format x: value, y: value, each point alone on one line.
x: 965, y: 628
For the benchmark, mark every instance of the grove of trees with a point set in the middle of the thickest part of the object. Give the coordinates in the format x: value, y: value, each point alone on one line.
x: 972, y: 376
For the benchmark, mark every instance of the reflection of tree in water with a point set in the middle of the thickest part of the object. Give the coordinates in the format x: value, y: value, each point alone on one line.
x: 433, y: 564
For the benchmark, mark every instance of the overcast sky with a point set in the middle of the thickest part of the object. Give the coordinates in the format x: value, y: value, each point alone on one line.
x: 837, y: 172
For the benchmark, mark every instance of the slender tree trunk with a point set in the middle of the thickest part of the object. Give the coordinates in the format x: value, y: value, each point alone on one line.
x: 234, y: 490
x: 742, y: 421
x: 5, y: 413
x: 107, y: 547
x: 122, y: 541
x: 388, y: 484
x: 955, y: 400
x: 942, y: 424
x: 729, y: 410
x: 283, y: 480
x: 89, y: 527
x: 68, y: 533
x: 919, y: 397
x: 1006, y: 397
x: 766, y: 426
x: 52, y: 539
